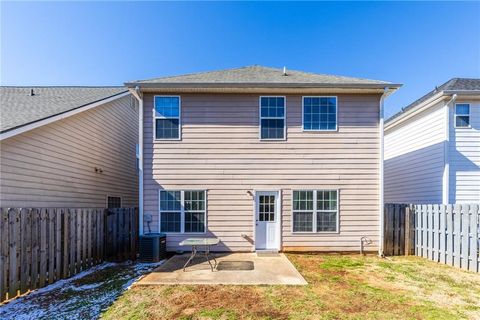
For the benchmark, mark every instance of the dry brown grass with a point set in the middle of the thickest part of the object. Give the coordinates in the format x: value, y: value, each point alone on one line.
x: 340, y: 287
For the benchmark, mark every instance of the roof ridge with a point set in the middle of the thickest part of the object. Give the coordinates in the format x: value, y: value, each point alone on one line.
x: 63, y: 86
x: 330, y: 75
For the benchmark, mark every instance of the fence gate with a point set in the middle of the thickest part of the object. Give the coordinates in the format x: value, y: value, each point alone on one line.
x: 121, y: 234
x: 398, y: 230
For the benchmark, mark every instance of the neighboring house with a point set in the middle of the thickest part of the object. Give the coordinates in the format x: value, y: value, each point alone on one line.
x: 432, y: 147
x: 68, y: 147
x: 262, y: 159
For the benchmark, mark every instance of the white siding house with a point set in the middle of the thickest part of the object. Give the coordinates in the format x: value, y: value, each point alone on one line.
x: 432, y: 147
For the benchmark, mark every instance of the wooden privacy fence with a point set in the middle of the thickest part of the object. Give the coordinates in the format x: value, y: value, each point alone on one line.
x: 398, y: 230
x: 448, y: 234
x: 41, y: 246
x: 121, y: 236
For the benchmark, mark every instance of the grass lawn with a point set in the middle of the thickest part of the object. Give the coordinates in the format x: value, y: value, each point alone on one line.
x: 340, y: 287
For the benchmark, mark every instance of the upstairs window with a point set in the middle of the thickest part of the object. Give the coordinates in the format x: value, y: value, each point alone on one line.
x: 315, y: 211
x: 167, y: 117
x: 462, y: 115
x: 272, y: 118
x: 183, y: 211
x: 319, y: 113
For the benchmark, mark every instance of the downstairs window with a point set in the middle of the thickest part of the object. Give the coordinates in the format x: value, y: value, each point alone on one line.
x: 182, y: 211
x: 315, y: 211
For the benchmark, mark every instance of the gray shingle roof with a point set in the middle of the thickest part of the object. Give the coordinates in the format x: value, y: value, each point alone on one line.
x: 257, y: 75
x: 455, y: 84
x: 19, y: 108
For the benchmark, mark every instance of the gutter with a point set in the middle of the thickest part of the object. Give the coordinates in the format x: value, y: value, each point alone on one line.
x: 138, y: 95
x: 162, y: 85
x: 381, y: 188
x: 446, y: 160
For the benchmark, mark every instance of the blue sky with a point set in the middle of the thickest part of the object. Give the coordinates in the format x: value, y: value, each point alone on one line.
x: 419, y: 44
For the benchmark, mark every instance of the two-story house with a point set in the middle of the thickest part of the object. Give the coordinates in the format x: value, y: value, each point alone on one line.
x: 262, y: 158
x: 432, y: 147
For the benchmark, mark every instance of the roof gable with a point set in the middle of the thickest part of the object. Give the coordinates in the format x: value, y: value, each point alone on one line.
x: 452, y: 85
x: 20, y: 106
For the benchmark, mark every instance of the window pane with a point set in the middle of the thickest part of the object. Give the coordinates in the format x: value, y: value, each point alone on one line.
x: 302, y: 200
x: 462, y: 121
x: 320, y: 113
x: 462, y: 109
x: 327, y: 200
x: 266, y: 208
x: 194, y: 221
x: 170, y: 201
x: 167, y: 128
x: 194, y: 200
x: 326, y: 221
x: 275, y: 112
x: 272, y: 128
x: 170, y: 222
x: 167, y: 107
x: 272, y: 107
x: 303, y: 221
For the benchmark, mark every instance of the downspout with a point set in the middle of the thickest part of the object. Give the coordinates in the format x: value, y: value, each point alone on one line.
x: 138, y: 95
x: 446, y: 145
x: 380, y: 182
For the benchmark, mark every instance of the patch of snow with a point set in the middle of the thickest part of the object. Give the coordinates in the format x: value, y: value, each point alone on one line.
x: 86, y: 286
x: 67, y: 300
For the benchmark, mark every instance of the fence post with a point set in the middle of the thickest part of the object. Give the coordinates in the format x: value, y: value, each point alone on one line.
x: 407, y: 231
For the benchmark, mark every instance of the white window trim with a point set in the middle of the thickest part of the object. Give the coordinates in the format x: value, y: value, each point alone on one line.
x: 260, y: 118
x: 314, y: 219
x: 179, y: 119
x: 112, y: 196
x: 455, y: 115
x: 320, y: 130
x: 182, y: 212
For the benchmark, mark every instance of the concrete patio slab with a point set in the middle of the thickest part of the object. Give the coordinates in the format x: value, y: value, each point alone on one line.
x: 269, y: 270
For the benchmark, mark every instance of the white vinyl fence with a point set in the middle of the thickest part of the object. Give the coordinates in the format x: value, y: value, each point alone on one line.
x: 448, y: 234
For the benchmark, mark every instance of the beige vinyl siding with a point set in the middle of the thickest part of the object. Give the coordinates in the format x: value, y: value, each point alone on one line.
x: 54, y: 165
x: 220, y: 152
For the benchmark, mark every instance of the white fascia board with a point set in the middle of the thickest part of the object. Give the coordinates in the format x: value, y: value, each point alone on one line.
x: 419, y: 108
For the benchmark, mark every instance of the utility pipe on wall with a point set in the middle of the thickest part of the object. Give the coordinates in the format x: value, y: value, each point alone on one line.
x: 380, y: 206
x: 446, y: 161
x: 138, y: 95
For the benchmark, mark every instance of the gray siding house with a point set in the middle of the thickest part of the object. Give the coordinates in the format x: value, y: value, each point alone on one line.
x: 432, y: 147
x: 68, y: 147
x: 262, y: 158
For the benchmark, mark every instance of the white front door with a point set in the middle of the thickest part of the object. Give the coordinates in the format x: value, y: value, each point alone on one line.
x: 266, y: 220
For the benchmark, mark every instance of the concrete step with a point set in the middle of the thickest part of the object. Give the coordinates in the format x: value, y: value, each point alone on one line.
x: 267, y: 253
